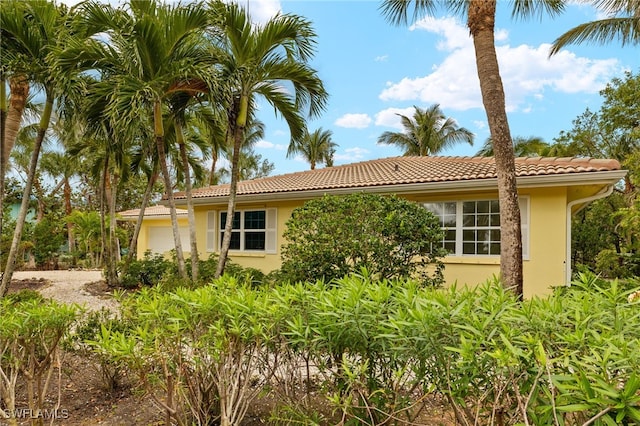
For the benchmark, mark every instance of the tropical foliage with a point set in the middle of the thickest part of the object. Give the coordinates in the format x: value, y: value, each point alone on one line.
x: 391, y: 237
x: 427, y: 132
x: 481, y: 16
x: 315, y: 147
x: 378, y: 351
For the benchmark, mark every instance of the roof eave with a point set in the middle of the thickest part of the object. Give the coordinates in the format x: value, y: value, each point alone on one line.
x: 607, y: 177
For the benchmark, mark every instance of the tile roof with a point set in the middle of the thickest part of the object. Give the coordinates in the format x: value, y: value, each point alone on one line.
x: 404, y: 170
x: 151, y: 211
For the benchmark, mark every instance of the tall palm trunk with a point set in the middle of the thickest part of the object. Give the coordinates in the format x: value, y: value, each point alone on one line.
x: 24, y: 206
x: 112, y: 243
x: 481, y: 22
x: 190, y: 212
x: 231, y: 206
x: 168, y: 188
x: 214, y: 161
x: 104, y: 184
x: 237, y: 125
x: 67, y: 211
x: 19, y: 89
x: 3, y: 120
x: 133, y: 245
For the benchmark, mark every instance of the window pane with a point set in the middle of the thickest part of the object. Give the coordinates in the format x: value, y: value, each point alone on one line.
x: 450, y: 246
x: 468, y: 220
x: 482, y: 207
x: 483, y: 220
x: 254, y: 240
x: 495, y: 220
x: 236, y: 220
x: 235, y: 240
x: 435, y: 208
x: 450, y: 208
x: 495, y: 206
x: 495, y: 235
x: 495, y: 249
x: 469, y: 248
x: 468, y: 235
x: 254, y: 220
x: 469, y: 207
x: 450, y: 235
x: 483, y: 248
x: 449, y: 220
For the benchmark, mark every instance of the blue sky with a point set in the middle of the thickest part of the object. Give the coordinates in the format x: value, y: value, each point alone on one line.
x: 373, y: 70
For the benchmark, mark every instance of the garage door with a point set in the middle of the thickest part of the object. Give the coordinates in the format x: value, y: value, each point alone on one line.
x: 161, y: 239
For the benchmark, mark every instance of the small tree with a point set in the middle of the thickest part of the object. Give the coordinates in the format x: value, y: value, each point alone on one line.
x: 391, y: 237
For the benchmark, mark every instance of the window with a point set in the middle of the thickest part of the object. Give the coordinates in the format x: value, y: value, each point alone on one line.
x: 253, y: 230
x: 472, y: 228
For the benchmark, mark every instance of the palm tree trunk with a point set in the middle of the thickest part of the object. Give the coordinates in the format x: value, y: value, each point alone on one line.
x: 231, y: 206
x: 19, y: 89
x: 112, y: 254
x: 133, y: 245
x: 103, y: 213
x: 168, y: 188
x: 24, y: 206
x: 214, y: 161
x: 190, y: 213
x: 3, y: 120
x: 481, y: 22
x: 67, y: 211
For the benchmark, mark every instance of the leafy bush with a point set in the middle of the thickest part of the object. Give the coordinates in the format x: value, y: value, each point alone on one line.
x: 146, y: 272
x: 31, y: 331
x: 90, y: 329
x: 331, y: 237
x: 377, y: 349
x: 611, y: 264
x: 206, y: 348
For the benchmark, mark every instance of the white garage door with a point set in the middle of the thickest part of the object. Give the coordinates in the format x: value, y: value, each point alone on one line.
x: 161, y: 239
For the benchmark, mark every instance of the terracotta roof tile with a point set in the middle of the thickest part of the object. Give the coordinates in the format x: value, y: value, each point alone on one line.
x: 404, y: 170
x: 150, y: 211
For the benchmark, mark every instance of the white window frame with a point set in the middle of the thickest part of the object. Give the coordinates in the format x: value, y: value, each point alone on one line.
x: 270, y: 230
x: 525, y: 214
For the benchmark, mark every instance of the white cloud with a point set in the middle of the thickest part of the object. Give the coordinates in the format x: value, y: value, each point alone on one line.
x: 353, y: 121
x: 270, y: 145
x: 480, y: 124
x: 382, y: 58
x: 261, y: 10
x: 527, y: 72
x: 352, y: 154
x: 389, y: 117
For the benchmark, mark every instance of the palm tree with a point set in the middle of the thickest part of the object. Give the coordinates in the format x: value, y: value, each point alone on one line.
x: 623, y: 22
x: 428, y: 132
x: 154, y: 51
x: 481, y: 16
x: 523, y: 147
x: 315, y: 147
x: 264, y: 61
x: 40, y: 31
x: 14, y: 42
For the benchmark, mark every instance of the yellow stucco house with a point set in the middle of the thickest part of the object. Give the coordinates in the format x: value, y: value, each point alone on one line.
x: 462, y: 191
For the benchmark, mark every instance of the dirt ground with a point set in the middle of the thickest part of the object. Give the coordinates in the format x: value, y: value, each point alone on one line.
x: 84, y: 401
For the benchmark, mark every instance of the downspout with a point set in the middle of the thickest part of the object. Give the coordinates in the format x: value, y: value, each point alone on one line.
x: 602, y: 194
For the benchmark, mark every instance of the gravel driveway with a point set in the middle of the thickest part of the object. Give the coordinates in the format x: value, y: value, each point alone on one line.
x: 68, y: 287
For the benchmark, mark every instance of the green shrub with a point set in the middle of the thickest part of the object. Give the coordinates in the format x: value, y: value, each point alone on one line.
x: 31, y: 331
x: 205, y: 348
x: 146, y: 272
x: 90, y: 329
x: 390, y: 237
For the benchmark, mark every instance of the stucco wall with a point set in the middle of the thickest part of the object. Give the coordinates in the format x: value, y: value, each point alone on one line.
x: 545, y: 266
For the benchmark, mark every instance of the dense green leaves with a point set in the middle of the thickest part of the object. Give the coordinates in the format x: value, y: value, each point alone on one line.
x: 377, y: 349
x: 331, y: 237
